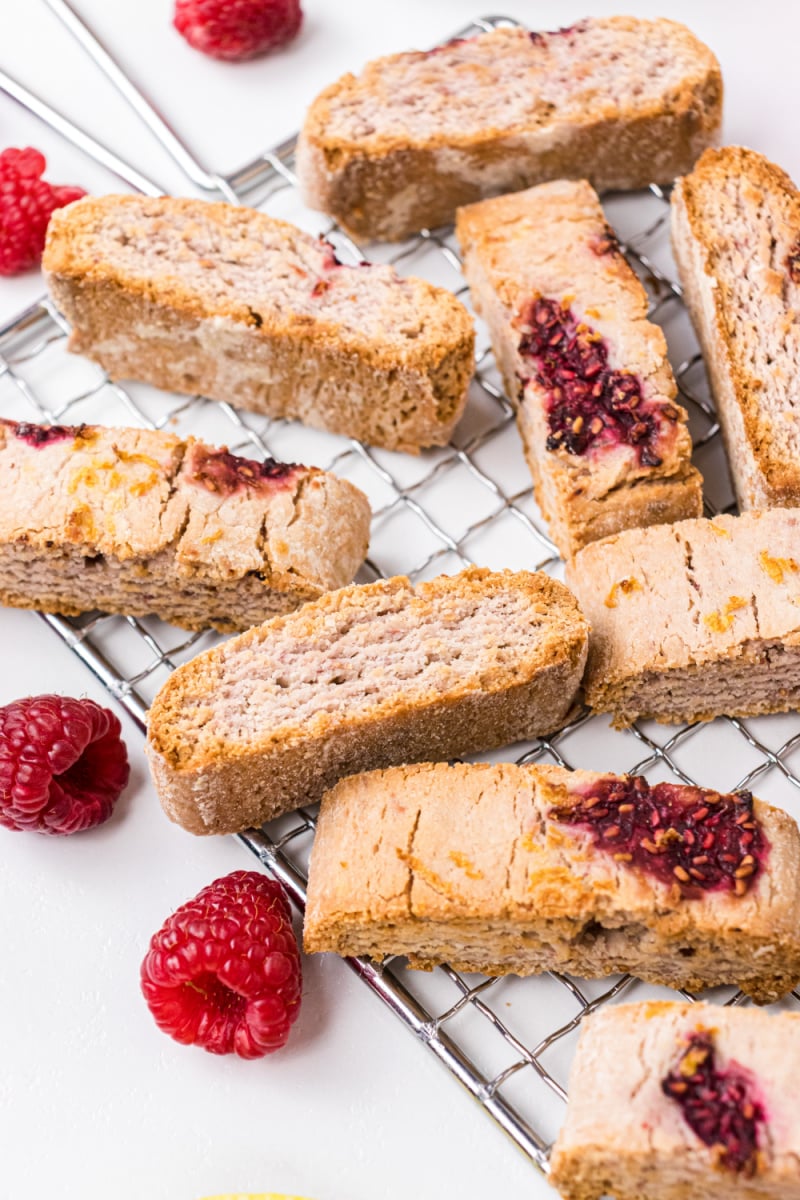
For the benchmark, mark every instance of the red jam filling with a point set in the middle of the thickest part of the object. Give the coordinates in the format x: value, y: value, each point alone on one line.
x: 719, y: 1106
x: 590, y: 405
x: 700, y: 840
x: 219, y: 471
x: 43, y: 435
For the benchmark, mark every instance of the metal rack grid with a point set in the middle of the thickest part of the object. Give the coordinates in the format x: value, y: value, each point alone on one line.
x: 508, y: 1041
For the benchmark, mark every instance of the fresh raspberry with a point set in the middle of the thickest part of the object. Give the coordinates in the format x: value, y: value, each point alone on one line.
x: 62, y: 764
x: 26, y: 204
x: 237, y: 29
x: 223, y: 972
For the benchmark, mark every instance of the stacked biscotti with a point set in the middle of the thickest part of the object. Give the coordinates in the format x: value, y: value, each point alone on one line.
x: 606, y: 443
x: 694, y: 620
x: 364, y: 677
x: 617, y: 100
x: 135, y: 521
x: 213, y: 298
x: 736, y: 236
x: 504, y: 869
x: 671, y: 1101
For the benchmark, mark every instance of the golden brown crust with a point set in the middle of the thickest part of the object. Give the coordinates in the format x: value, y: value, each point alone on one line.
x: 386, y: 183
x: 214, y: 778
x: 285, y: 356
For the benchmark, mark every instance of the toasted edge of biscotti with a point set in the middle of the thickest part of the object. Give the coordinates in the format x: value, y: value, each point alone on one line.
x: 364, y: 677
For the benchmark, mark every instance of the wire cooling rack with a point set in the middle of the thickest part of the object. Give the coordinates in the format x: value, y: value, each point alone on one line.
x: 509, y: 1041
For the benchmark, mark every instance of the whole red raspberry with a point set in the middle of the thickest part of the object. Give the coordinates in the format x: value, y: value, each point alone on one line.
x: 223, y: 972
x: 237, y: 29
x: 62, y: 764
x: 26, y: 204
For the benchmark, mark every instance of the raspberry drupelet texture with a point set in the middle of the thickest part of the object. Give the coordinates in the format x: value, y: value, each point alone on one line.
x: 223, y: 972
x: 27, y: 202
x: 63, y: 764
x: 690, y: 837
x: 590, y: 405
x: 719, y: 1106
x: 237, y: 29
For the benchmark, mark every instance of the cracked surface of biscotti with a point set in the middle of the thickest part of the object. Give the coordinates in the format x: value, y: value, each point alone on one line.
x: 681, y: 1101
x: 136, y: 521
x: 618, y: 100
x: 364, y: 677
x: 498, y: 869
x: 736, y: 237
x: 606, y: 443
x: 693, y: 620
x: 218, y: 299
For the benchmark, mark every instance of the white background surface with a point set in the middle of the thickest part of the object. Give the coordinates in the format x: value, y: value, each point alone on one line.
x: 94, y: 1101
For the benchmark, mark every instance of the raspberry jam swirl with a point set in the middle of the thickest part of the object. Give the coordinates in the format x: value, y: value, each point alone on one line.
x: 226, y: 473
x: 43, y: 435
x: 590, y: 405
x: 720, y: 1107
x: 691, y: 837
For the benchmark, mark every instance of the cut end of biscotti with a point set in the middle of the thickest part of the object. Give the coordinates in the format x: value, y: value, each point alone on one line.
x: 736, y: 237
x: 364, y: 677
x: 619, y: 100
x: 215, y: 298
x: 669, y: 1100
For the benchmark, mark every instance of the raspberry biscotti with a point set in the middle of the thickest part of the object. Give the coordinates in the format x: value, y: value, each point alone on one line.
x: 620, y: 101
x: 133, y: 521
x: 671, y: 1101
x: 364, y: 677
x: 694, y: 620
x: 503, y: 869
x: 222, y: 300
x: 607, y: 445
x: 736, y: 237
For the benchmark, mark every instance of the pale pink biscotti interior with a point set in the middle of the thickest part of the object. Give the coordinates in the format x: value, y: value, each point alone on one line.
x: 680, y: 1101
x: 362, y: 678
x: 198, y: 297
x: 400, y: 146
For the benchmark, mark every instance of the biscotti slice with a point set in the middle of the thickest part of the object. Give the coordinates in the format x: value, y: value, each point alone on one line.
x: 222, y: 300
x: 506, y: 869
x: 678, y: 1101
x: 620, y: 101
x: 736, y: 238
x: 364, y: 677
x: 134, y: 521
x: 606, y: 443
x: 694, y: 620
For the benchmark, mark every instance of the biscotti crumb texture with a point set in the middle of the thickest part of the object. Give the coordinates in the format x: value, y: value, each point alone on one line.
x: 214, y: 298
x: 736, y: 237
x: 679, y: 1101
x: 606, y: 443
x: 617, y: 100
x: 364, y: 677
x: 503, y: 868
x: 135, y: 521
x: 693, y: 620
